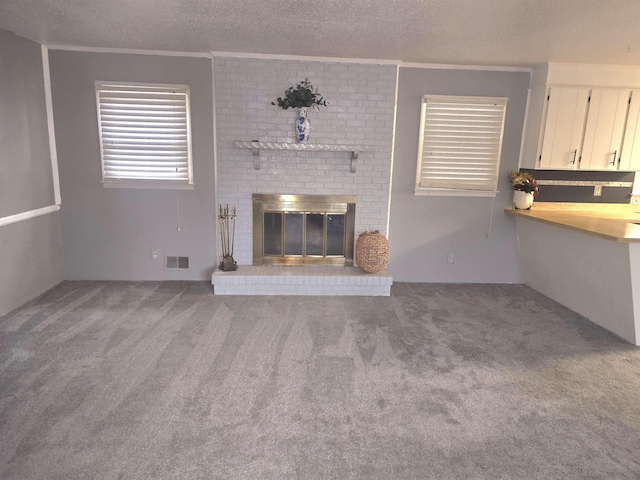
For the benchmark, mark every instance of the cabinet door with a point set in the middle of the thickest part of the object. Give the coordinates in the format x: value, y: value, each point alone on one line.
x: 630, y: 157
x: 564, y: 124
x: 602, y: 143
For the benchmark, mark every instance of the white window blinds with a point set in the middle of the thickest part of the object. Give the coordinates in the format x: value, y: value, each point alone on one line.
x: 144, y: 134
x: 460, y: 144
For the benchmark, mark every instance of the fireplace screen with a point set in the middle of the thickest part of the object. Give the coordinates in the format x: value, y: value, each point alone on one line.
x: 303, y: 230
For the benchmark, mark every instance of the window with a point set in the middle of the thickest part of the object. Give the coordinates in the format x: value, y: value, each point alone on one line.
x: 460, y: 145
x: 145, y: 135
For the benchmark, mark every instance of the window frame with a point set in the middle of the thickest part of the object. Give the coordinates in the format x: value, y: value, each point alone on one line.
x: 147, y: 183
x: 422, y: 159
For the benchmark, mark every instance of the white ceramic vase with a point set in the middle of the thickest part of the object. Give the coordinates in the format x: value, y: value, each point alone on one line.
x: 303, y: 126
x: 522, y: 200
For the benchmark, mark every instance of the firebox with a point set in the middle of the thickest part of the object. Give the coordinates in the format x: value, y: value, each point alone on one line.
x: 303, y: 229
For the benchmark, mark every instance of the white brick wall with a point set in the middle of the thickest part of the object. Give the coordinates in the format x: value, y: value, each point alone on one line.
x: 361, y: 100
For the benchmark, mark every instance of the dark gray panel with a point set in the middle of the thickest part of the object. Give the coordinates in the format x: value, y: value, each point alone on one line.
x: 581, y: 193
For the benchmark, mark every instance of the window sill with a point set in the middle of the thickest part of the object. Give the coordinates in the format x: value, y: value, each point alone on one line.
x: 446, y: 192
x: 149, y: 185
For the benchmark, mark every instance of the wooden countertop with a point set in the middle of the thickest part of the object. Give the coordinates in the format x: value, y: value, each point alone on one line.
x: 615, y: 222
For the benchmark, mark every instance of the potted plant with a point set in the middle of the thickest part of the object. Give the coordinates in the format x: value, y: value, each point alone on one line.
x: 525, y: 189
x: 302, y: 96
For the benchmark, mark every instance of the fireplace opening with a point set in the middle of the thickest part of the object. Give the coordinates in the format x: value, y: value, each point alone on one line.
x: 303, y: 230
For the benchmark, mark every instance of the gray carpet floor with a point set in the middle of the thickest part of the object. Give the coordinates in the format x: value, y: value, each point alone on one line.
x: 164, y: 380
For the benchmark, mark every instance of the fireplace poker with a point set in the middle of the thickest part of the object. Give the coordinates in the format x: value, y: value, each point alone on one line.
x: 221, y: 221
x: 226, y: 227
x: 233, y: 236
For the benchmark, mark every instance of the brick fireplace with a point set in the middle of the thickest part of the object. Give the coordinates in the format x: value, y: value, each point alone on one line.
x: 361, y: 107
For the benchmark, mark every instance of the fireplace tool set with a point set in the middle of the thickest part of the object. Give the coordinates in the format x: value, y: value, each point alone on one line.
x: 227, y: 220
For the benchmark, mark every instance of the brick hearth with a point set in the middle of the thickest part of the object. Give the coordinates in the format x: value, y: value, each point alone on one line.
x: 250, y: 280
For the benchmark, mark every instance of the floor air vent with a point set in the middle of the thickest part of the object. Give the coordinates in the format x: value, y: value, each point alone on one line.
x: 177, y: 263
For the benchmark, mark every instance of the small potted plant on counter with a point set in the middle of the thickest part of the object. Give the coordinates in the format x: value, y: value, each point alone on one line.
x: 525, y: 189
x: 302, y: 96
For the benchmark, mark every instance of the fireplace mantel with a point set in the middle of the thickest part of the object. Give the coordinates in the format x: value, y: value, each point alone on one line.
x: 255, y: 147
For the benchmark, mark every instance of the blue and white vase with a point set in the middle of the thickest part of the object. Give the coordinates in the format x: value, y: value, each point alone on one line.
x: 302, y: 126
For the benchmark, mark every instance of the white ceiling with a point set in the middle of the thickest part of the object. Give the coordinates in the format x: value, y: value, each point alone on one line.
x: 470, y: 32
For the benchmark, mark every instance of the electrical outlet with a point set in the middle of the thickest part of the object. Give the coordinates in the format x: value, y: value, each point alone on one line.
x: 597, y: 191
x: 155, y: 254
x: 450, y: 258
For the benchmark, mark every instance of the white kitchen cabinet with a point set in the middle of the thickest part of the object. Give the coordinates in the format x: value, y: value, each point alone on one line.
x: 603, y: 133
x: 630, y: 155
x: 583, y: 128
x: 563, y: 121
x: 604, y: 129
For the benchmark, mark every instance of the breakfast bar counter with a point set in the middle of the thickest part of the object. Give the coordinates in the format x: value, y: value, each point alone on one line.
x: 586, y: 257
x: 620, y: 223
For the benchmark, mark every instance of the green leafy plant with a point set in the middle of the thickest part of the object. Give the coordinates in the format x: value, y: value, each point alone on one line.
x: 524, y: 181
x: 303, y: 95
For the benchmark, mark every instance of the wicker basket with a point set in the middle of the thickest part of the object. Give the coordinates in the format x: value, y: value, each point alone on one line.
x: 372, y: 251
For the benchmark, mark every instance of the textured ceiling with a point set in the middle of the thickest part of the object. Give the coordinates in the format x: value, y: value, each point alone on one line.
x: 473, y: 32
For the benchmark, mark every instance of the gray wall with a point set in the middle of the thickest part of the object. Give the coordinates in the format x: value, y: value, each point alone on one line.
x: 108, y: 233
x: 31, y: 253
x: 423, y: 230
x: 27, y: 184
